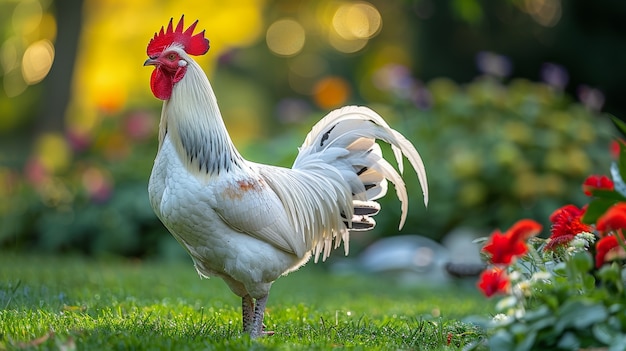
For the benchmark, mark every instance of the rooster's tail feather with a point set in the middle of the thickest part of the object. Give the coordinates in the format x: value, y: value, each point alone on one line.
x: 346, y: 140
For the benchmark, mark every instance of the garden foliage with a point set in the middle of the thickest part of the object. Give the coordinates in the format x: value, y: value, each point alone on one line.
x: 493, y: 152
x: 565, y: 292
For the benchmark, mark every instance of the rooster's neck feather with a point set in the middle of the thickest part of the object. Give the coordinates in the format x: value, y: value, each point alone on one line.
x: 191, y: 117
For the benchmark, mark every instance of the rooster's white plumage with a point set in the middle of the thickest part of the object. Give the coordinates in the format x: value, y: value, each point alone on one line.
x: 250, y: 223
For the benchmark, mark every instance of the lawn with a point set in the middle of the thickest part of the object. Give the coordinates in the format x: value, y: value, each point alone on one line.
x: 67, y: 303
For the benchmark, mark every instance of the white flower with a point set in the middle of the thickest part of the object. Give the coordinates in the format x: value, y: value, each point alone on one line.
x: 541, y: 276
x: 506, y: 303
x: 590, y: 238
x: 514, y: 276
x: 500, y: 318
x: 577, y: 243
x: 523, y: 287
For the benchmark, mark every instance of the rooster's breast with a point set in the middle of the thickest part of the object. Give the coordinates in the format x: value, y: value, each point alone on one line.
x: 186, y: 206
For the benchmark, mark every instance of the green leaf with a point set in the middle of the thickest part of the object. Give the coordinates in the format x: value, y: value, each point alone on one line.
x: 527, y: 342
x: 581, y: 262
x: 603, y: 333
x: 596, y: 209
x: 501, y: 340
x: 543, y: 323
x: 608, y: 194
x: 541, y: 312
x: 589, y: 282
x: 609, y: 273
x: 622, y: 163
x: 617, y: 172
x: 569, y: 341
x: 580, y: 314
x: 619, y: 124
x: 618, y: 344
x: 589, y: 315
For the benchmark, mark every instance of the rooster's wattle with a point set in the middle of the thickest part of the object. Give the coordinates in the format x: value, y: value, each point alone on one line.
x: 250, y: 223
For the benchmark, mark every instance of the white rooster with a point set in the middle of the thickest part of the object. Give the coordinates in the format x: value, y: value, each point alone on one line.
x: 250, y: 223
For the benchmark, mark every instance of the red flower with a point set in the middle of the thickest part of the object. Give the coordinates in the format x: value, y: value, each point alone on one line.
x: 504, y: 247
x: 570, y: 210
x: 493, y: 281
x: 614, y: 148
x: 603, y: 247
x: 566, y: 225
x: 524, y: 229
x: 614, y: 218
x: 595, y: 182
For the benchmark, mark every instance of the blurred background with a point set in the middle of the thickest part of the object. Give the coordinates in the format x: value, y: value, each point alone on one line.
x: 506, y: 100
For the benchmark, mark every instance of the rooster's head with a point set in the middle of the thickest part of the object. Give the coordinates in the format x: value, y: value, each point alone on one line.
x: 168, y: 51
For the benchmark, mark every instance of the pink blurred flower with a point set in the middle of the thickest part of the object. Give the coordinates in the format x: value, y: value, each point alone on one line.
x: 140, y: 125
x: 97, y: 184
x: 35, y: 172
x: 78, y: 141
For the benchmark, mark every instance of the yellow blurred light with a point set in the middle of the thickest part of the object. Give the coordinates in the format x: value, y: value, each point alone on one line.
x: 358, y: 20
x: 14, y: 83
x: 112, y: 96
x: 108, y: 75
x: 344, y: 45
x: 81, y: 119
x: 48, y: 27
x: 285, y: 37
x: 53, y: 152
x: 27, y: 16
x: 233, y: 23
x: 37, y: 61
x: 8, y: 54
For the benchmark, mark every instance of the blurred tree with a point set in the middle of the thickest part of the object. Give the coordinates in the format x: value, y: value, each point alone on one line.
x: 57, y: 85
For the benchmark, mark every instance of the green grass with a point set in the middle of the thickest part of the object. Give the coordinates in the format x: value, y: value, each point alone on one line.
x: 75, y: 303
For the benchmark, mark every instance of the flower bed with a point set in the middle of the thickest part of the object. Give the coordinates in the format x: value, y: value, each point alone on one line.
x: 566, y: 291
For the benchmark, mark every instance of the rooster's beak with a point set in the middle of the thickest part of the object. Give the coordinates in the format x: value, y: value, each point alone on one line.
x: 150, y: 62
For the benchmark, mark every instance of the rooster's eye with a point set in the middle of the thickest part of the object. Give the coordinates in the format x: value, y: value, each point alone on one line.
x: 172, y: 57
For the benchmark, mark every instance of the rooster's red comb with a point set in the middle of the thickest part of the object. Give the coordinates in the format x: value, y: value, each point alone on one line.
x: 193, y: 44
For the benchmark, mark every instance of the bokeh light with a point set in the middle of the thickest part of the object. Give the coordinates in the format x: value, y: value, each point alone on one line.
x: 285, y: 37
x: 97, y: 183
x: 353, y: 24
x: 331, y: 92
x: 8, y: 55
x: 346, y: 46
x: 37, y: 61
x: 26, y: 56
x: 27, y: 16
x: 53, y: 153
x: 358, y: 20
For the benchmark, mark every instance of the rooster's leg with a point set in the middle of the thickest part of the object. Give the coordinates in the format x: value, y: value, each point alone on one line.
x: 247, y: 312
x: 259, y: 312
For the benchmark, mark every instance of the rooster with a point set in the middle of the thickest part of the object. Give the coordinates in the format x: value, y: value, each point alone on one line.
x: 250, y: 223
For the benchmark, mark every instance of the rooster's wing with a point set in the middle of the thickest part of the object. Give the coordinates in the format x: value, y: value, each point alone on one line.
x: 250, y: 206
